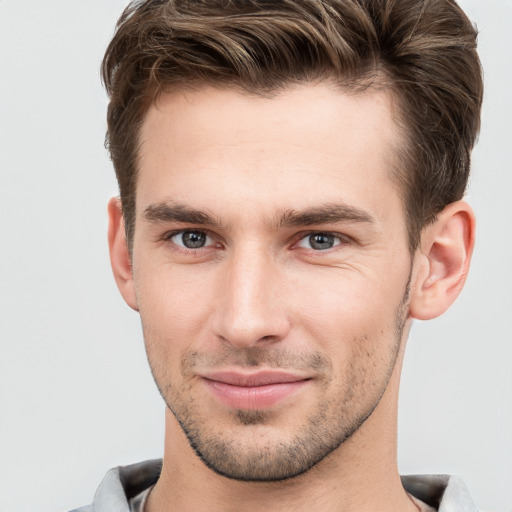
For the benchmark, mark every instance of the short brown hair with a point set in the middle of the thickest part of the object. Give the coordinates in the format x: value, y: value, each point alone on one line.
x: 424, y: 51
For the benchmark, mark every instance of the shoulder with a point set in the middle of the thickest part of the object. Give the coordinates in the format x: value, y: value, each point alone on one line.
x: 443, y: 492
x: 122, y: 483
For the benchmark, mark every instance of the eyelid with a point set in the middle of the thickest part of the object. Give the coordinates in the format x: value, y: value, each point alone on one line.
x: 167, y: 237
x: 343, y: 239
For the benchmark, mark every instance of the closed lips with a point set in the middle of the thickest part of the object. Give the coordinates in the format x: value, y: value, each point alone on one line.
x: 254, y: 391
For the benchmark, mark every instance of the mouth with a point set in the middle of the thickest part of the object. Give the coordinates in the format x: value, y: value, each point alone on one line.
x: 260, y: 390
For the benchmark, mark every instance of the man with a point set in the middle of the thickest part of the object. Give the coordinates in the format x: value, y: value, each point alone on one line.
x: 291, y: 178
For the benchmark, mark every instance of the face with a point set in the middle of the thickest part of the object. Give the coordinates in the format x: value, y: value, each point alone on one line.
x: 271, y: 269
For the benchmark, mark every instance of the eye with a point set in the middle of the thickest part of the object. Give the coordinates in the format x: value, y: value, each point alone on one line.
x: 191, y: 239
x: 319, y: 241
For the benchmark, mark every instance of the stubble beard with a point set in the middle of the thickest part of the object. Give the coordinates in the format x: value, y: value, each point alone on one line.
x: 333, y: 423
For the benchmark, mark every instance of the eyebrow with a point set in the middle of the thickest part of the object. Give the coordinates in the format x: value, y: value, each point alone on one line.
x: 324, y: 214
x: 175, y: 212
x: 328, y: 213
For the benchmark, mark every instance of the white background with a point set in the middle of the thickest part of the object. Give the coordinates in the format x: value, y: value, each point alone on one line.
x: 76, y: 396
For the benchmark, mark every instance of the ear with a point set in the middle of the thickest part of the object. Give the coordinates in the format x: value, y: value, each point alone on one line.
x: 442, y: 262
x: 119, y: 254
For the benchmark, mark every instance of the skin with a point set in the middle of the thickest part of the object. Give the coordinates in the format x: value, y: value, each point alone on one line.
x: 257, y: 183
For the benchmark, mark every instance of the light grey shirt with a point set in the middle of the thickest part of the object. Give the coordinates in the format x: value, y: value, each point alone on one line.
x: 122, y: 490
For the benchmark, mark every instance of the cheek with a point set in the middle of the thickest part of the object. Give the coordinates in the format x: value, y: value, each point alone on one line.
x: 175, y: 306
x: 346, y: 303
x: 353, y: 319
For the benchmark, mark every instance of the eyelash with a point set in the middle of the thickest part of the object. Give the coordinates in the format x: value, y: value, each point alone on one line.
x: 169, y: 235
x: 342, y: 240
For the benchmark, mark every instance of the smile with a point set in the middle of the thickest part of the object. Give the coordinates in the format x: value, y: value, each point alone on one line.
x: 254, y: 391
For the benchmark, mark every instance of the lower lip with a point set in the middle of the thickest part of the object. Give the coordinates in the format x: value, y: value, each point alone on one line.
x: 253, y: 397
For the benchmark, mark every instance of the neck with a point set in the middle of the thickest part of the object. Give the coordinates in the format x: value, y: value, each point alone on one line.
x: 361, y: 475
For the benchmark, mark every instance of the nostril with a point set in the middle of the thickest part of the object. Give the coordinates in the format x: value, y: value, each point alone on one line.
x: 268, y: 338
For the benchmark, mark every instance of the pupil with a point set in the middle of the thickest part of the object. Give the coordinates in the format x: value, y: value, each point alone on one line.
x: 321, y: 241
x: 193, y: 239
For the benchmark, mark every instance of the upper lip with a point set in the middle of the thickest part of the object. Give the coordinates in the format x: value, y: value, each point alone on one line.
x: 260, y: 378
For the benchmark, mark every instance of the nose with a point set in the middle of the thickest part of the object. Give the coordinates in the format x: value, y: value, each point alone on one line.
x: 250, y: 308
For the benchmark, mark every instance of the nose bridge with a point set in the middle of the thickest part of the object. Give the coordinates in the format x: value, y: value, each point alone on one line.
x: 250, y: 309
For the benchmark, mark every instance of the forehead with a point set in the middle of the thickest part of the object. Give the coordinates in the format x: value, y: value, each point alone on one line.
x: 304, y: 144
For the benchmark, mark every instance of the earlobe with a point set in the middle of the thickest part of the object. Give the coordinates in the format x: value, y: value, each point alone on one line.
x: 119, y: 254
x: 443, y: 261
